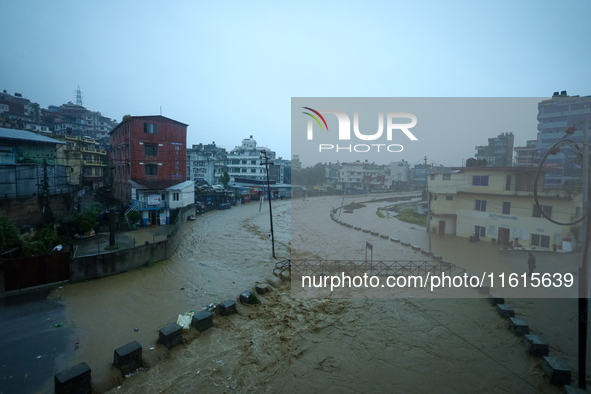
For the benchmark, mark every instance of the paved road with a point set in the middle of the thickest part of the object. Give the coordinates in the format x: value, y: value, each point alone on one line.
x: 25, y: 334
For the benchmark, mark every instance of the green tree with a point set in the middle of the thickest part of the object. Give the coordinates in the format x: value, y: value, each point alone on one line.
x: 225, y: 179
x: 42, y: 242
x: 310, y: 176
x: 9, y: 234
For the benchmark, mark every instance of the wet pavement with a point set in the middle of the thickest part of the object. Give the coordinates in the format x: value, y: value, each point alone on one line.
x: 99, y: 243
x: 32, y: 350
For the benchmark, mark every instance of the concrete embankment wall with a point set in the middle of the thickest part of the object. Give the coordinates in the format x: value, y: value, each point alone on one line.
x: 116, y: 262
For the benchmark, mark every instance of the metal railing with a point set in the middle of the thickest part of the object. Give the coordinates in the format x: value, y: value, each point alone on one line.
x: 376, y: 268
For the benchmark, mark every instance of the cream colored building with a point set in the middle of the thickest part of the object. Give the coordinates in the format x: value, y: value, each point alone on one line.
x: 86, y: 163
x: 497, y: 203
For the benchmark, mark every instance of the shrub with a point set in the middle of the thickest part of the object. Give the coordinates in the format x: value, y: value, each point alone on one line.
x: 134, y: 216
x: 9, y: 234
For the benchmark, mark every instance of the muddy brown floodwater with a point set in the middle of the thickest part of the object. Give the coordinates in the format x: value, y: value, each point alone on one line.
x: 288, y: 344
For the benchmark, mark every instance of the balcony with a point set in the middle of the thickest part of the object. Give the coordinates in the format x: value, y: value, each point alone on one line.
x: 93, y: 150
x: 96, y: 163
x: 144, y: 206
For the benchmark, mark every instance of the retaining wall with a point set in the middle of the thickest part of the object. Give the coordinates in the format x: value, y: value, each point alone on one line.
x: 116, y: 262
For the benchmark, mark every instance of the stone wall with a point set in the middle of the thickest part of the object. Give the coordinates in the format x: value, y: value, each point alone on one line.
x: 116, y: 262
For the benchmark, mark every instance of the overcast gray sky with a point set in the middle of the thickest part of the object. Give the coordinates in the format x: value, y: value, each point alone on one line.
x: 229, y: 69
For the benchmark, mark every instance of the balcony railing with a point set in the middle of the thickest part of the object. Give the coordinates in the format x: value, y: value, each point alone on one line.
x: 144, y: 206
x: 94, y: 163
x: 93, y: 150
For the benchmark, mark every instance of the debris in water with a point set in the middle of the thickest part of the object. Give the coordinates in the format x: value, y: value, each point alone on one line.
x: 151, y: 348
x: 38, y: 356
x: 182, y: 288
x: 135, y: 329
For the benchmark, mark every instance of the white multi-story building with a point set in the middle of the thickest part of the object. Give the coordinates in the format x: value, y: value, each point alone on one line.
x: 206, y: 163
x: 98, y: 125
x: 363, y: 176
x: 400, y: 171
x: 244, y: 162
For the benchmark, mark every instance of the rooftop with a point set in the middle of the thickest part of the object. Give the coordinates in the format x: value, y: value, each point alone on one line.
x: 154, y: 184
x: 182, y: 185
x: 22, y: 135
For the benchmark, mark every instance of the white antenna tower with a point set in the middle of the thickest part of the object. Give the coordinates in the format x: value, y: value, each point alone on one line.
x: 79, y: 97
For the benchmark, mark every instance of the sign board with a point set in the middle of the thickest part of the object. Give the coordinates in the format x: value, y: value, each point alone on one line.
x: 154, y: 199
x: 163, y: 219
x: 7, y: 155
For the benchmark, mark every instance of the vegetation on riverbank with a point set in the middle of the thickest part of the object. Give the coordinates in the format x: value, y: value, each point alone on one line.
x: 406, y: 213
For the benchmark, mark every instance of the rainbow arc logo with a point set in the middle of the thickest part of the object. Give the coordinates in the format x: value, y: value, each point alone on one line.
x: 315, y: 118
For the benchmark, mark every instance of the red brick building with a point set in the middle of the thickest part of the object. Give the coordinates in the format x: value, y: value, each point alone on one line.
x: 150, y: 151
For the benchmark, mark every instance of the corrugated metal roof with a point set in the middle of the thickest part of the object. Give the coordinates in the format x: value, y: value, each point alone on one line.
x: 181, y: 185
x: 12, y: 134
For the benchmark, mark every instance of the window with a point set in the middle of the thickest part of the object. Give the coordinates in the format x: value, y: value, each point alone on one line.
x: 243, y: 170
x: 150, y: 128
x: 435, y: 197
x: 175, y: 196
x: 542, y: 241
x: 151, y: 149
x: 546, y: 208
x: 151, y: 169
x: 480, y: 205
x: 446, y: 177
x: 449, y: 198
x: 506, y: 208
x: 480, y: 180
x: 432, y: 177
x: 253, y: 170
x: 508, y: 183
x: 479, y: 231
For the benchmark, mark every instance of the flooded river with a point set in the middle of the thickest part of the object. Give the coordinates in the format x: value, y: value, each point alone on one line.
x: 289, y: 344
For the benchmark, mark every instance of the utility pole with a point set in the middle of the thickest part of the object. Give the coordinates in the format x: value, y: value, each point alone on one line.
x: 266, y: 163
x: 583, y: 272
x: 343, y: 200
x: 428, y: 206
x: 47, y: 213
